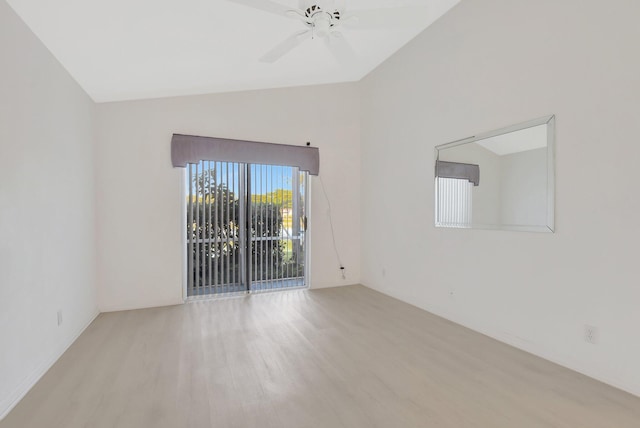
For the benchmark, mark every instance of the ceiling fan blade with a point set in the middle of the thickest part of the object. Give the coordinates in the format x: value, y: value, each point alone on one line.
x: 266, y: 6
x: 386, y: 18
x: 285, y: 47
x: 340, y: 48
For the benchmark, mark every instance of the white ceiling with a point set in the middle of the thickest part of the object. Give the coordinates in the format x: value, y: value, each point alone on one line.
x: 133, y: 49
x: 518, y: 141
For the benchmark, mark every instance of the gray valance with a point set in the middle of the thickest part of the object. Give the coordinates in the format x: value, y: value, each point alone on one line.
x: 463, y: 171
x: 187, y: 149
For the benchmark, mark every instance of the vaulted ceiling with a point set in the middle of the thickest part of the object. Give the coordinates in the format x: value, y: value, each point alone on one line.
x: 133, y: 49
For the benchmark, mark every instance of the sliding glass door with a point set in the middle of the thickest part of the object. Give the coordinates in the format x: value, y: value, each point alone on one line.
x: 246, y: 228
x: 277, y: 227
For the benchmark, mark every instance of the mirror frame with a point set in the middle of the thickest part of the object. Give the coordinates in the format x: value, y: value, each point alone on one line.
x: 550, y: 121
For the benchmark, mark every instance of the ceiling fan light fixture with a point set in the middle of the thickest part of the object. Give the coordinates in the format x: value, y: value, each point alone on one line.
x: 322, y: 25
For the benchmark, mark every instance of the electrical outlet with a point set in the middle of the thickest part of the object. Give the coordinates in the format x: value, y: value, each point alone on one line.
x: 591, y: 334
x: 59, y: 318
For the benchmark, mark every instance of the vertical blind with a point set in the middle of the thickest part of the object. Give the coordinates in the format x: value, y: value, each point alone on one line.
x: 214, y: 236
x: 276, y: 228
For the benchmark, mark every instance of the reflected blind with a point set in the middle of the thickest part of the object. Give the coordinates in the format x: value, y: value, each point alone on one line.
x: 455, y: 202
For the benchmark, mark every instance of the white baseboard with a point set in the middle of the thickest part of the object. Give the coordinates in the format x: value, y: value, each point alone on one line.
x: 134, y: 307
x: 523, y: 345
x: 621, y: 384
x: 25, y: 386
x: 329, y: 285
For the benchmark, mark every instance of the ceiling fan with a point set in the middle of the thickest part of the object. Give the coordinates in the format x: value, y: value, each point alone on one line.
x: 323, y: 18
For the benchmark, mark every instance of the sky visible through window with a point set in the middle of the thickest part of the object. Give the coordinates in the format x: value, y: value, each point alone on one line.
x: 264, y: 178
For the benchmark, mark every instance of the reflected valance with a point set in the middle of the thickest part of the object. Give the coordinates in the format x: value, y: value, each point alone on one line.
x: 463, y: 171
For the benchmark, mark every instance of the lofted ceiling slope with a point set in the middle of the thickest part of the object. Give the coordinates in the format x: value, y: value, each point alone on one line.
x: 137, y: 49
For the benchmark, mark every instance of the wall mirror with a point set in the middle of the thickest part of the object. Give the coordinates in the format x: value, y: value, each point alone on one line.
x: 502, y: 179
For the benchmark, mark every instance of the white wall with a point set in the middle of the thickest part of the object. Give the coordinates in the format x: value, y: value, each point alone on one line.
x: 47, y: 232
x: 139, y: 208
x: 485, y: 65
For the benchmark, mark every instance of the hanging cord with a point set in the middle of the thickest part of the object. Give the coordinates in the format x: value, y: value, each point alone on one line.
x: 333, y: 234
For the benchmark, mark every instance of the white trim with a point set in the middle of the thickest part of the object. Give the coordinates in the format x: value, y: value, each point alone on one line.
x: 219, y: 296
x: 568, y: 363
x: 278, y: 290
x: 183, y: 234
x: 37, y: 374
x: 524, y: 345
x: 551, y: 173
x: 507, y: 129
x: 235, y: 295
x: 307, y: 233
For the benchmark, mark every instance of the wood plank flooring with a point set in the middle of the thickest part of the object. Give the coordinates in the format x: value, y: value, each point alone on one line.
x: 342, y: 357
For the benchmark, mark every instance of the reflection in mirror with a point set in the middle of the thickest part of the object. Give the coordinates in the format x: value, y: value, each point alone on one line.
x: 500, y: 180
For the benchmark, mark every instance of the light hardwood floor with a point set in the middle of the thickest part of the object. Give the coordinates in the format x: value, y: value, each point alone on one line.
x: 342, y: 357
